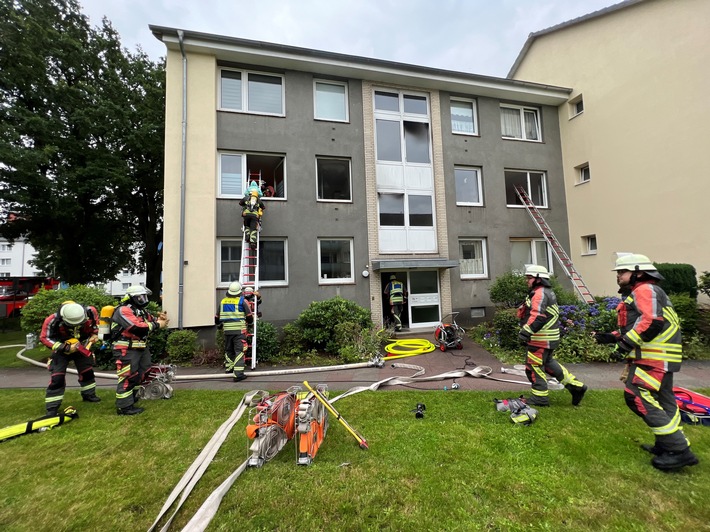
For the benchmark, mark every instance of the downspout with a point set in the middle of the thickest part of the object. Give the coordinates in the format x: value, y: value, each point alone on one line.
x: 183, y: 170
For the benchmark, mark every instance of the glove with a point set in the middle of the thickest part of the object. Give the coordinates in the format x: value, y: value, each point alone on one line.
x: 621, y: 351
x: 604, y: 338
x: 524, y: 337
x: 258, y: 314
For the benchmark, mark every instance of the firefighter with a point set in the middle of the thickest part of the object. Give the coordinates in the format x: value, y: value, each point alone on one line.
x: 69, y: 333
x: 252, y: 209
x: 232, y: 315
x: 649, y: 340
x: 540, y: 333
x: 131, y: 324
x: 396, y: 293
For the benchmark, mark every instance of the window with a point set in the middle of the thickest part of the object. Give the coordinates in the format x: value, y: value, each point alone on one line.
x: 583, y: 174
x: 251, y: 92
x: 473, y: 262
x: 391, y: 209
x: 236, y: 168
x: 421, y: 212
x: 409, y: 128
x: 534, y: 184
x: 4, y: 274
x: 589, y: 245
x: 333, y: 179
x: 124, y: 286
x: 468, y: 186
x: 521, y: 123
x: 5, y: 247
x: 464, y: 119
x: 335, y: 266
x: 529, y: 251
x: 331, y: 101
x: 5, y: 262
x: 576, y: 106
x: 272, y: 262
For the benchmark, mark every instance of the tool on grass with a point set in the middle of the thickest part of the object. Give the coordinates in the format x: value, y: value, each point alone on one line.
x: 39, y: 425
x: 324, y: 400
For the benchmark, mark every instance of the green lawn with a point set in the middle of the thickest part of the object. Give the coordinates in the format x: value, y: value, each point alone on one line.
x: 464, y: 466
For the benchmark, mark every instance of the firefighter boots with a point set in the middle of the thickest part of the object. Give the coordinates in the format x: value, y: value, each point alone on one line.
x: 91, y: 398
x: 239, y: 377
x: 534, y: 400
x: 52, y: 412
x: 577, y: 393
x: 670, y: 460
x: 129, y: 411
x: 653, y: 449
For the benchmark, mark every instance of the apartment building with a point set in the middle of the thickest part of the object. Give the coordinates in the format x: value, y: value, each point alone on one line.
x: 634, y: 130
x: 15, y: 257
x: 373, y: 167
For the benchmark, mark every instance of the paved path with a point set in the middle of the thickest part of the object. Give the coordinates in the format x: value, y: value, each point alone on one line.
x: 694, y: 374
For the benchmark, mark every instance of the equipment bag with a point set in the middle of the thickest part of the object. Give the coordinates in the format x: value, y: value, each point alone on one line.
x: 694, y: 407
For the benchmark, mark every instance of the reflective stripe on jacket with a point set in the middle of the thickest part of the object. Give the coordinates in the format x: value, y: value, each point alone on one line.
x: 649, y: 323
x: 541, y: 317
x: 232, y: 314
x: 396, y: 292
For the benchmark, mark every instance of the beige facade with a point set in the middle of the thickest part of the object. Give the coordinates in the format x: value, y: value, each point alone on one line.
x: 640, y: 69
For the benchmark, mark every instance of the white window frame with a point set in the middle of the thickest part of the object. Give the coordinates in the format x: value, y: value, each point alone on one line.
x: 484, y: 252
x: 574, y: 106
x: 533, y: 252
x: 245, y: 92
x: 5, y: 262
x: 589, y: 245
x: 218, y: 261
x: 521, y: 114
x: 350, y: 180
x: 545, y: 202
x: 584, y: 174
x: 478, y: 171
x: 346, y: 104
x: 244, y: 173
x: 474, y: 111
x: 5, y: 247
x: 336, y: 280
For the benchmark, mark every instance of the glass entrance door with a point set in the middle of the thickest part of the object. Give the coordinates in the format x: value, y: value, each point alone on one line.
x: 424, y: 301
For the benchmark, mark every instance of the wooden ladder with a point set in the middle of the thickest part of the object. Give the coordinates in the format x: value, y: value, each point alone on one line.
x: 557, y: 249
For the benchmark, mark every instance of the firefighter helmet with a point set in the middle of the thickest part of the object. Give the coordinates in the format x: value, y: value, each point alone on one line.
x: 72, y: 313
x: 636, y: 262
x: 535, y: 270
x: 393, y: 277
x: 138, y: 295
x: 234, y: 289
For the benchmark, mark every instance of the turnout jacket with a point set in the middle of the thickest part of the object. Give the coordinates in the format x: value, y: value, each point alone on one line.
x: 649, y: 328
x: 55, y: 333
x: 135, y: 323
x: 540, y: 317
x: 233, y: 313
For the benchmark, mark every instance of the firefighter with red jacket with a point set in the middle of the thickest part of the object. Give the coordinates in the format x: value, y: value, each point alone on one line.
x: 540, y: 333
x: 132, y: 324
x: 69, y: 333
x: 649, y: 340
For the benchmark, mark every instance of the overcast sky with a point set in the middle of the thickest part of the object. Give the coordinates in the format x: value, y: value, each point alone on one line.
x: 478, y: 36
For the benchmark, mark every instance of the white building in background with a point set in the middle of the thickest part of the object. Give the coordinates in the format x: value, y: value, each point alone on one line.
x: 14, y: 262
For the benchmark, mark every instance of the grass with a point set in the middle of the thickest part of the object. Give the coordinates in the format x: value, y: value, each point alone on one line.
x: 464, y: 466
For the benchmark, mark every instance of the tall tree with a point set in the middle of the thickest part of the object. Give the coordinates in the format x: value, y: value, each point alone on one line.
x: 81, y: 143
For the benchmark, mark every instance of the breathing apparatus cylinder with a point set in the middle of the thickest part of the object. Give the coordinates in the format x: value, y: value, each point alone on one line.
x: 105, y: 322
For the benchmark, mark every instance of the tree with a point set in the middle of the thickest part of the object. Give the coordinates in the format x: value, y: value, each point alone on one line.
x: 81, y: 143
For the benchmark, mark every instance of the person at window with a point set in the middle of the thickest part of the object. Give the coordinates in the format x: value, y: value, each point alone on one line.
x: 252, y: 209
x: 233, y: 313
x: 397, y: 294
x: 69, y: 333
x: 540, y: 334
x: 131, y: 323
x: 649, y: 341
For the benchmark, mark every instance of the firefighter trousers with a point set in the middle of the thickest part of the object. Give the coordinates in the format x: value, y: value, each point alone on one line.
x: 235, y: 348
x: 58, y: 381
x: 649, y: 395
x: 540, y: 363
x: 251, y: 228
x: 131, y: 365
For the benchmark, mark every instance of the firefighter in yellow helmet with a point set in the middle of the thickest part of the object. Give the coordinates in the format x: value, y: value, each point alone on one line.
x: 540, y: 333
x: 649, y: 341
x: 69, y: 333
x: 232, y: 315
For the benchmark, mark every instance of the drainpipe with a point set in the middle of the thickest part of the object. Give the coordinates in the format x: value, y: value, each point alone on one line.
x: 183, y: 170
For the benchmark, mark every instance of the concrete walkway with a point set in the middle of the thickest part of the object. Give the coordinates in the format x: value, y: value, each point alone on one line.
x: 693, y: 375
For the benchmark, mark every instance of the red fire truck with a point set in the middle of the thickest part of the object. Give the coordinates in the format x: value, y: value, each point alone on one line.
x: 15, y: 292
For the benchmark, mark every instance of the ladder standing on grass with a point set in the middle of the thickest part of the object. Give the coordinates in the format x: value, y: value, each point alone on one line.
x: 557, y: 249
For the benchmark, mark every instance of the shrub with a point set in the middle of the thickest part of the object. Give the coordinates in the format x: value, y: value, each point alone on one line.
x: 687, y: 309
x: 704, y: 283
x: 506, y: 326
x: 356, y: 343
x: 679, y: 279
x: 267, y: 341
x: 182, y: 345
x: 509, y: 290
x: 317, y: 323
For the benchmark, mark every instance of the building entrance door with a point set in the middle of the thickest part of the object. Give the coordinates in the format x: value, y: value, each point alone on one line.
x: 424, y: 300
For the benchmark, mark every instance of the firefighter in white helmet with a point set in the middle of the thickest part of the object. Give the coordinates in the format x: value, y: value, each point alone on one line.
x: 540, y: 333
x: 649, y: 340
x: 131, y: 324
x: 69, y: 333
x: 232, y: 316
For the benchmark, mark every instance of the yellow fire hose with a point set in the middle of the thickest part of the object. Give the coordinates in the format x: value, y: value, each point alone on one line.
x: 408, y: 348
